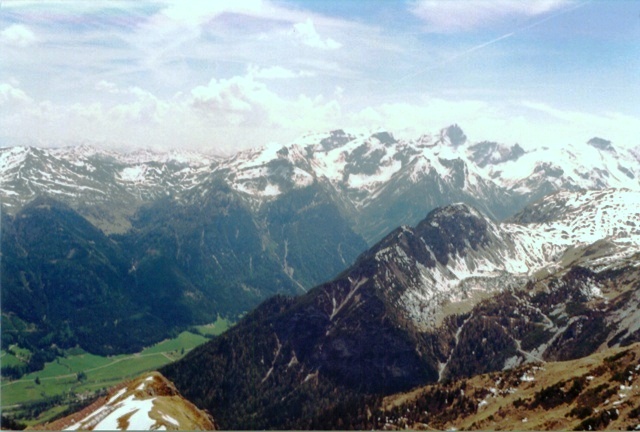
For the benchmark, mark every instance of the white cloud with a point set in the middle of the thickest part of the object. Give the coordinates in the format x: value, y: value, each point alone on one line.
x: 233, y: 101
x: 306, y: 33
x: 227, y: 115
x: 620, y: 128
x: 18, y: 35
x: 107, y: 86
x: 245, y: 102
x: 223, y: 116
x: 12, y: 96
x: 454, y: 15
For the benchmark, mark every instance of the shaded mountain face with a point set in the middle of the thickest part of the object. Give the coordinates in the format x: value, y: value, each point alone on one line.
x: 227, y: 258
x: 455, y: 296
x: 64, y: 282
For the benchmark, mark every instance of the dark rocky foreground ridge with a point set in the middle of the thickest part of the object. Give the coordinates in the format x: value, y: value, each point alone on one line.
x: 332, y: 353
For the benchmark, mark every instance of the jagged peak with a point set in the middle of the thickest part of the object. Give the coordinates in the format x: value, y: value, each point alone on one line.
x: 453, y: 135
x: 452, y: 210
x: 492, y: 153
x: 335, y: 139
x: 601, y: 144
x: 384, y: 137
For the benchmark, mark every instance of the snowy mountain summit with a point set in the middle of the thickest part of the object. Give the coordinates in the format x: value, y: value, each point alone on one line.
x: 379, y: 181
x: 456, y: 254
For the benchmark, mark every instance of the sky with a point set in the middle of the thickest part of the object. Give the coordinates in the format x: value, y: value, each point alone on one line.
x: 221, y: 76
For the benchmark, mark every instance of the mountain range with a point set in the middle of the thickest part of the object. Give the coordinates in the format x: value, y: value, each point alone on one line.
x: 455, y: 296
x: 524, y: 256
x: 377, y: 182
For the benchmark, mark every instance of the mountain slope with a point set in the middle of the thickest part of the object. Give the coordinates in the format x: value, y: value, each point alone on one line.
x: 64, y: 282
x: 234, y: 257
x: 149, y: 402
x: 63, y: 276
x: 597, y: 392
x: 410, y: 311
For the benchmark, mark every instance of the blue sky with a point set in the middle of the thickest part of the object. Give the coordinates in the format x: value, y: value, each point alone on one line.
x: 219, y: 76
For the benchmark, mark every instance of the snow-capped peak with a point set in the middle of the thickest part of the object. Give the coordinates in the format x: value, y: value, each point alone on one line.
x: 456, y: 251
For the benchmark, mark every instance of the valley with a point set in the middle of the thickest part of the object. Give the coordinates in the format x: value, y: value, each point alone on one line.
x: 373, y: 331
x: 79, y: 376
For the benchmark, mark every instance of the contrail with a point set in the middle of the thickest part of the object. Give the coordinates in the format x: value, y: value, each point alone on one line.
x: 491, y: 42
x: 457, y: 56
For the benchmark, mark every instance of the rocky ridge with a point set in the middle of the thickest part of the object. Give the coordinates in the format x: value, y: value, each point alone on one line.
x: 149, y: 402
x: 426, y: 304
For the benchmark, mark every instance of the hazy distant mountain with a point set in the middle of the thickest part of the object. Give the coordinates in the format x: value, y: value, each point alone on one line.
x: 105, y: 187
x: 377, y: 181
x: 455, y: 296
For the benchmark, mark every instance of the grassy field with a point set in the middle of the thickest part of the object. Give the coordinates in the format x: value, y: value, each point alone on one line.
x: 7, y: 359
x: 184, y: 340
x: 61, y: 377
x: 216, y: 328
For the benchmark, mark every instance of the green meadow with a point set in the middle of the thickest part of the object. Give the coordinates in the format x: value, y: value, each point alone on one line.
x: 80, y: 374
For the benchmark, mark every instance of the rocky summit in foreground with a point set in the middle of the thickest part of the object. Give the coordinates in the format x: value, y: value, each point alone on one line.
x: 150, y: 402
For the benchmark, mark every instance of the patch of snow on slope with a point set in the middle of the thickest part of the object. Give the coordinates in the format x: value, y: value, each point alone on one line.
x: 134, y: 174
x: 384, y: 174
x: 585, y: 167
x: 11, y: 157
x: 139, y: 420
x: 270, y: 190
x: 302, y: 178
x: 518, y: 250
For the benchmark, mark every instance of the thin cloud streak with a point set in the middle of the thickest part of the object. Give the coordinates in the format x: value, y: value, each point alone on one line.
x: 489, y: 43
